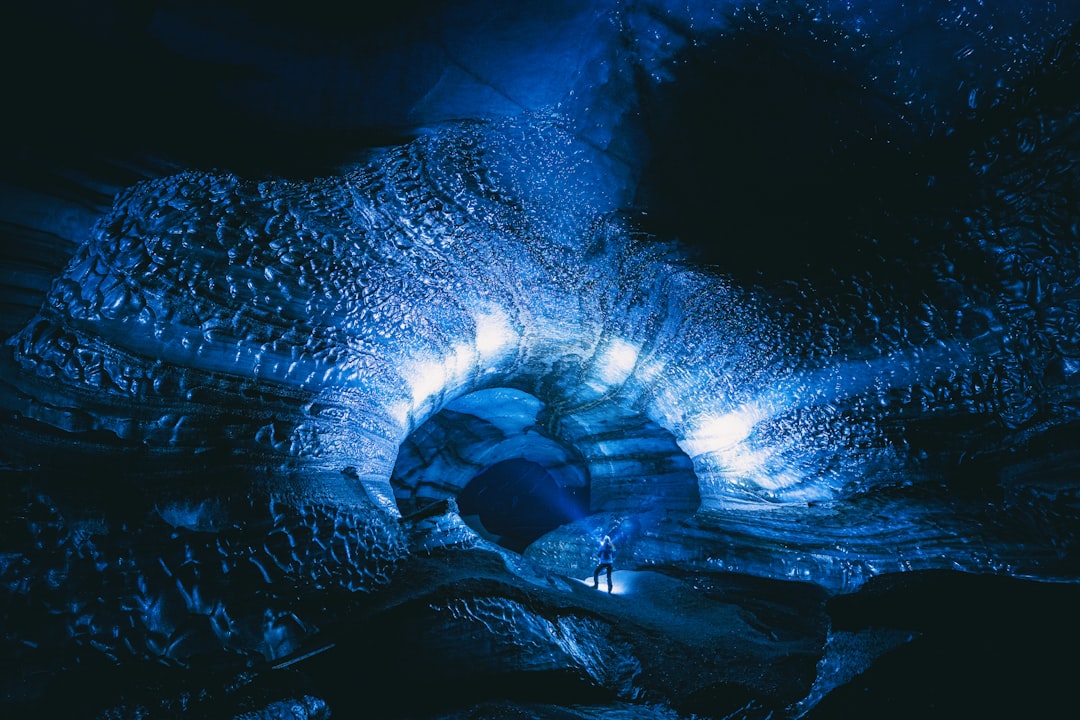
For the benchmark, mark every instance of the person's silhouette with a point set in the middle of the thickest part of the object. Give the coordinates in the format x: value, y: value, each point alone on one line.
x: 605, y: 558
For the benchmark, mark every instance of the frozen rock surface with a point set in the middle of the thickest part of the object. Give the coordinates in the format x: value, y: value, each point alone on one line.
x: 334, y: 340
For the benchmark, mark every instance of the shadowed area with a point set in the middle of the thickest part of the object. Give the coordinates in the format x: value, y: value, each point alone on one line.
x: 518, y: 501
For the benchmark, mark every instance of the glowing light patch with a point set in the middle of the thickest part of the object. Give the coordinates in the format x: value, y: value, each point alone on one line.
x: 622, y: 582
x: 649, y: 371
x: 425, y: 380
x: 617, y: 362
x: 721, y: 442
x: 436, y: 378
x: 778, y: 481
x: 747, y: 462
x: 400, y: 413
x: 716, y: 433
x: 493, y: 334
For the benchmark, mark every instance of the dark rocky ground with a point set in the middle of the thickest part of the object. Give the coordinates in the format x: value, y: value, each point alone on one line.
x: 931, y: 645
x: 467, y: 630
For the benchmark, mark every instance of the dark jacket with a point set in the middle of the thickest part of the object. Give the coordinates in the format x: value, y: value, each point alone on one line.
x: 606, y: 556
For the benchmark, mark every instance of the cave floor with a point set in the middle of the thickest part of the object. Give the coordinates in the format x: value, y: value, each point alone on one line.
x: 703, y: 645
x: 471, y: 630
x: 700, y: 644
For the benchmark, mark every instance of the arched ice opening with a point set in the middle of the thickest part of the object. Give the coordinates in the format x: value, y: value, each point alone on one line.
x: 520, y: 467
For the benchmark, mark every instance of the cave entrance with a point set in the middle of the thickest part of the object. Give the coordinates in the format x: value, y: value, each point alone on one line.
x: 519, y: 467
x: 513, y: 477
x: 516, y: 501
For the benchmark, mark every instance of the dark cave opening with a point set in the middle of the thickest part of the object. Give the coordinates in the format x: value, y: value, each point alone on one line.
x: 518, y: 469
x: 494, y: 452
x: 518, y: 501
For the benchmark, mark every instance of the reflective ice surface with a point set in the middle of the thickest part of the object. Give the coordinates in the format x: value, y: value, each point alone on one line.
x: 782, y: 289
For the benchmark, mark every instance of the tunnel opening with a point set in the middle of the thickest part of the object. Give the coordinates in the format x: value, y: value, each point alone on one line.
x: 516, y: 501
x: 512, y: 476
x: 519, y: 468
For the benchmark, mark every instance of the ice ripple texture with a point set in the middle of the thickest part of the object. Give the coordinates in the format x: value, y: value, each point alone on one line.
x: 183, y: 587
x: 309, y: 328
x: 324, y: 321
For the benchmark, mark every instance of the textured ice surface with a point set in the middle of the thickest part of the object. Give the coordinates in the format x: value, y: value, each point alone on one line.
x: 588, y: 255
x: 317, y: 326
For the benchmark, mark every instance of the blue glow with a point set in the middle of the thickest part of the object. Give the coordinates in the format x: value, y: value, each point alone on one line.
x: 775, y: 289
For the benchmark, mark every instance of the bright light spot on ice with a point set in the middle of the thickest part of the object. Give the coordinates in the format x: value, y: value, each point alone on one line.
x: 622, y: 582
x: 433, y: 378
x: 425, y: 380
x: 721, y: 433
x: 616, y: 362
x: 723, y: 438
x: 493, y: 334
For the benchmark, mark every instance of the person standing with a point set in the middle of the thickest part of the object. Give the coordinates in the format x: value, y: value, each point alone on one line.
x: 605, y: 558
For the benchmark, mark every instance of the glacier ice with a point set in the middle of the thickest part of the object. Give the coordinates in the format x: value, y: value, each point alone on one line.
x: 624, y: 246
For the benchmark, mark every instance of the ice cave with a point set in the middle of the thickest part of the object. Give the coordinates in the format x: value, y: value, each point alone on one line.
x: 336, y: 336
